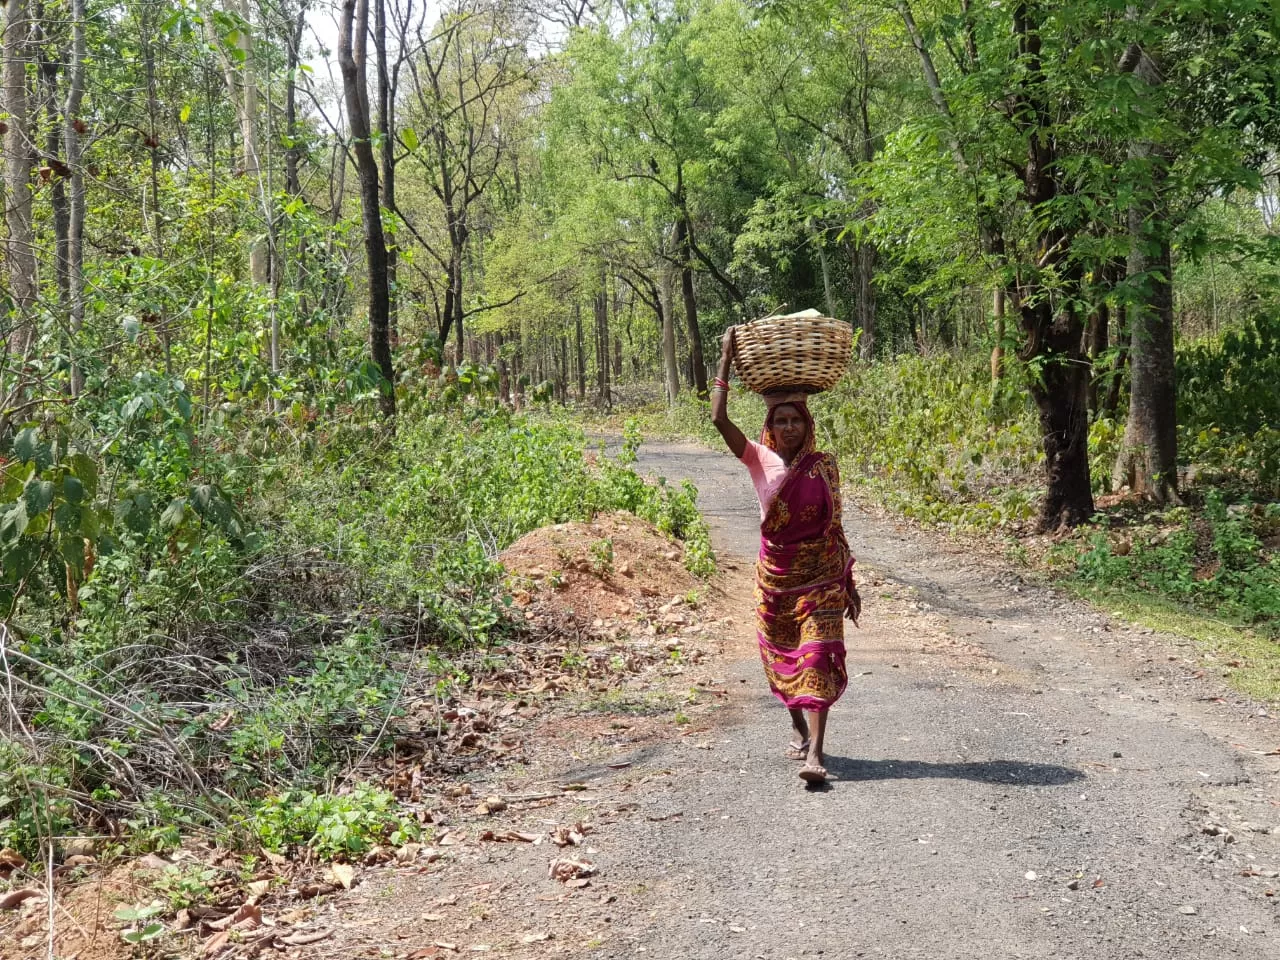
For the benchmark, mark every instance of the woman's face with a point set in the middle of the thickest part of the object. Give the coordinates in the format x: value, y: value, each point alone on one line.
x: 789, y: 428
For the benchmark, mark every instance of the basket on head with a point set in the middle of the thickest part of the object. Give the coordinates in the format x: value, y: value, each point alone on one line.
x: 804, y: 352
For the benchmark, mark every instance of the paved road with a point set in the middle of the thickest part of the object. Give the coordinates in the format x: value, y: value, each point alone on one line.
x: 1019, y: 777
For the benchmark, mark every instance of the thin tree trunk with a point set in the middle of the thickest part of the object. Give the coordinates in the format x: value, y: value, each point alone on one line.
x: 48, y: 90
x: 698, y: 367
x: 153, y: 150
x: 386, y: 131
x: 352, y: 40
x: 581, y: 355
x: 997, y: 352
x: 667, y: 317
x: 72, y: 128
x: 247, y: 114
x: 19, y: 163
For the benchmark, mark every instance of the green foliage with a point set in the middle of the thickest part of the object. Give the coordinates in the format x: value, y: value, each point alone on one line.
x: 332, y: 825
x: 1214, y: 561
x: 928, y: 436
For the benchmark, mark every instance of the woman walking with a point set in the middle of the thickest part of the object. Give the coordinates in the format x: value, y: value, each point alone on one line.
x: 804, y: 574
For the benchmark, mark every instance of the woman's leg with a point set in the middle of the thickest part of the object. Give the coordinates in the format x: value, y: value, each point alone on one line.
x: 817, y: 732
x: 799, y: 747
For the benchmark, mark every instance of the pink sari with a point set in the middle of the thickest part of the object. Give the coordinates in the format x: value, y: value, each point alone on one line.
x: 804, y: 586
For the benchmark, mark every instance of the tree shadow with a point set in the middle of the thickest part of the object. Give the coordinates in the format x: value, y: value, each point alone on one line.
x: 1003, y: 772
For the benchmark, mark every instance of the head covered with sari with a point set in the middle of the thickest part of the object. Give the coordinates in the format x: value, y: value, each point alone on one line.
x: 799, y: 401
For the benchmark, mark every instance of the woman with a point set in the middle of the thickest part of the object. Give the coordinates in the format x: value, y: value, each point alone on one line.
x: 804, y: 575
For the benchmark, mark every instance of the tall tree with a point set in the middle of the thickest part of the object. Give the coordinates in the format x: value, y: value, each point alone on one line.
x: 352, y: 46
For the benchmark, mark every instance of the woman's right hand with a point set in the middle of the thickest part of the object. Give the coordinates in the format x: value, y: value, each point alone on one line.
x: 728, y: 344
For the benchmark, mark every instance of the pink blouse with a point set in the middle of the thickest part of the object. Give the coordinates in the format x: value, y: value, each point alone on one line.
x: 767, y: 471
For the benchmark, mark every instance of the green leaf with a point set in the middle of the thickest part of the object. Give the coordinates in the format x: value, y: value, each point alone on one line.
x: 174, y: 514
x: 25, y: 444
x: 14, y: 524
x: 409, y: 137
x: 72, y: 489
x: 37, y: 495
x: 185, y: 115
x: 86, y: 471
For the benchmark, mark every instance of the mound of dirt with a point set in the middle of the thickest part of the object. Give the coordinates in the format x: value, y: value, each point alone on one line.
x: 613, y: 567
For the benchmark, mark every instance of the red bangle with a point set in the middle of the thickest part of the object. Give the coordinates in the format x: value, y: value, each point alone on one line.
x: 719, y: 382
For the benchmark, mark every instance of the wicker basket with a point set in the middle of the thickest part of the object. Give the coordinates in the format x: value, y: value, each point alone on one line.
x: 802, y: 351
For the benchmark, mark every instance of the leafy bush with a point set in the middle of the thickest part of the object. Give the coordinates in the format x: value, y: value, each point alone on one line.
x: 930, y: 437
x: 1213, y: 561
x: 196, y: 669
x: 332, y: 825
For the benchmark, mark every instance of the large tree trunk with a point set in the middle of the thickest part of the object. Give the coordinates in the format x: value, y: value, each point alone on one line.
x: 1053, y: 334
x: 698, y: 367
x: 351, y: 57
x: 1148, y: 459
x: 1059, y: 395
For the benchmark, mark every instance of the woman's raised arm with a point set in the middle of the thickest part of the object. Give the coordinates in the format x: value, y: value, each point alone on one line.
x: 734, y: 437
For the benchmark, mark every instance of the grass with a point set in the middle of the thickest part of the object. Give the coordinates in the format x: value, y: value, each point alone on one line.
x: 1248, y: 661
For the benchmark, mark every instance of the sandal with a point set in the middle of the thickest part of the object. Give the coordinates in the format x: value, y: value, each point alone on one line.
x: 813, y: 773
x: 798, y: 751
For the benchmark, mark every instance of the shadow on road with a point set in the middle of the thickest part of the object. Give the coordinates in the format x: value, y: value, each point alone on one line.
x: 1004, y: 772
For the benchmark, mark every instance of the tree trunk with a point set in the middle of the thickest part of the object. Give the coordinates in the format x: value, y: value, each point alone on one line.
x: 50, y: 61
x: 246, y: 103
x: 153, y: 151
x: 19, y: 158
x: 698, y: 367
x: 667, y: 318
x: 865, y: 261
x: 351, y: 57
x: 997, y: 352
x: 1059, y: 395
x: 1148, y: 459
x: 600, y: 305
x: 72, y: 126
x: 386, y: 131
x: 581, y: 355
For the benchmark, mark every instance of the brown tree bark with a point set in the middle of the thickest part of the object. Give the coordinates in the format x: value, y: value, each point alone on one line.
x: 697, y: 366
x: 352, y: 44
x: 72, y: 125
x: 667, y: 319
x: 1148, y: 458
x: 386, y: 132
x: 580, y: 355
x: 19, y: 162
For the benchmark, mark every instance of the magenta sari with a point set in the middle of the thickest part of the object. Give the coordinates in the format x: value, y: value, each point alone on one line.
x: 804, y: 586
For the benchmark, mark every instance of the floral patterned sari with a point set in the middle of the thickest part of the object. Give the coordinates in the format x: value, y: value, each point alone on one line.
x: 804, y: 584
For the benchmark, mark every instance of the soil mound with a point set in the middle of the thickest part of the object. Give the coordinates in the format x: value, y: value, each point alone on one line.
x: 610, y: 568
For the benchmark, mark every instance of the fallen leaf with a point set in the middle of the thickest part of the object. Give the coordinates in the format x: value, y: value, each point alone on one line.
x: 11, y: 859
x: 258, y: 888
x: 14, y: 898
x: 408, y: 853
x: 536, y: 938
x: 433, y: 917
x: 566, y: 870
x: 215, y: 944
x: 309, y: 891
x: 247, y: 917
x: 302, y: 939
x: 343, y: 873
